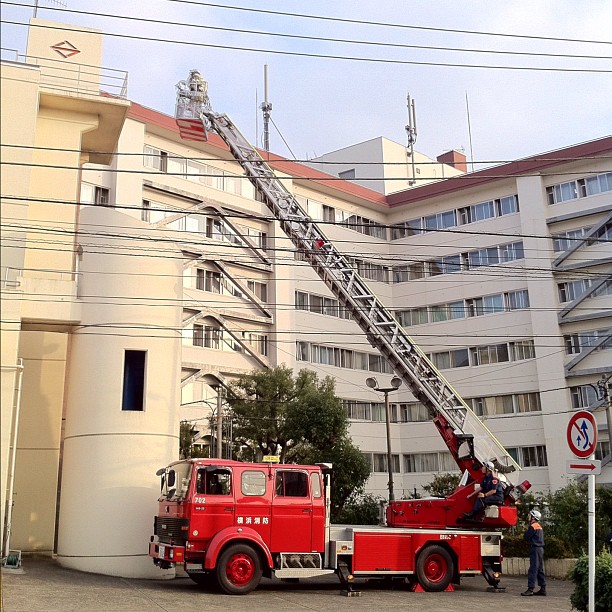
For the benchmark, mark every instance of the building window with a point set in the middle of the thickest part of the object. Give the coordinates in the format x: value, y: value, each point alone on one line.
x: 583, y: 396
x: 260, y: 290
x: 529, y: 456
x: 429, y: 462
x: 566, y: 240
x: 580, y: 188
x: 145, y: 213
x: 133, y: 380
x: 94, y: 194
x: 365, y: 226
x: 380, y: 463
x: 155, y: 158
x: 572, y: 290
x: 576, y: 343
x: 534, y: 456
x: 213, y: 281
x: 522, y: 349
x: 198, y: 335
x: 212, y: 337
x: 517, y: 300
x: 414, y: 412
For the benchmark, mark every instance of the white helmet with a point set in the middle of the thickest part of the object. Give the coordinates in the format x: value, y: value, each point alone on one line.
x: 489, y: 465
x: 536, y: 515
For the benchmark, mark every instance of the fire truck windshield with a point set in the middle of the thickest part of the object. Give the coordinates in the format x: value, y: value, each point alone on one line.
x: 175, y: 480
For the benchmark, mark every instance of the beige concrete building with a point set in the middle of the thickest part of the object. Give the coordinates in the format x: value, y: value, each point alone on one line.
x: 140, y: 274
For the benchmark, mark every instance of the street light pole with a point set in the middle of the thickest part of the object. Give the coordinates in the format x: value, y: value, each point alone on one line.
x: 395, y: 384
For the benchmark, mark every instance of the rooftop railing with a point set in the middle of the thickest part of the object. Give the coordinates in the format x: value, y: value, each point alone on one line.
x: 71, y: 77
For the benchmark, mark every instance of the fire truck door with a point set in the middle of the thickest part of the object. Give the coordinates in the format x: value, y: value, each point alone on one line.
x: 213, y: 501
x: 292, y: 512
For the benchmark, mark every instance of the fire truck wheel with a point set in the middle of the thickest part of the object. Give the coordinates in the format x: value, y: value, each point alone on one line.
x: 434, y: 568
x: 238, y: 570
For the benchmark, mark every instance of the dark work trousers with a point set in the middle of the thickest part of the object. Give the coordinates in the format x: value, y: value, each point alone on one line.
x: 536, y: 568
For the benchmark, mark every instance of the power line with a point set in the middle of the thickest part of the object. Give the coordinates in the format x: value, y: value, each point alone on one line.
x: 269, y: 217
x: 485, y: 271
x: 141, y: 19
x: 375, y: 60
x: 476, y: 176
x: 389, y: 25
x: 545, y: 157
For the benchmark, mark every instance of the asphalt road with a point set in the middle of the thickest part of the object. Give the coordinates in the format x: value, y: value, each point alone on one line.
x: 44, y: 586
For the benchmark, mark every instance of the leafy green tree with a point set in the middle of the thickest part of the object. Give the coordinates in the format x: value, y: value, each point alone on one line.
x: 362, y: 509
x: 259, y: 403
x: 442, y: 485
x: 300, y: 419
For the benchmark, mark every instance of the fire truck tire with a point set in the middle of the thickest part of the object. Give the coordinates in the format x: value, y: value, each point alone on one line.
x: 206, y: 580
x: 238, y: 569
x: 434, y: 568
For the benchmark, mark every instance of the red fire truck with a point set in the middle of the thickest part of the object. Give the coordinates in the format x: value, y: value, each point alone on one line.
x: 236, y: 522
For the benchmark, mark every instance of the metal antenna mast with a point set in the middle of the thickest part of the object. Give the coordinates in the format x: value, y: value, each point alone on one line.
x: 266, y: 107
x: 411, y: 132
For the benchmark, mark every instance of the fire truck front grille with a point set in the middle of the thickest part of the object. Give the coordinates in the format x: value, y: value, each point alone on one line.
x: 171, y: 529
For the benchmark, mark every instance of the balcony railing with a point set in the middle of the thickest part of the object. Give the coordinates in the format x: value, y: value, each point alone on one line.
x: 72, y: 77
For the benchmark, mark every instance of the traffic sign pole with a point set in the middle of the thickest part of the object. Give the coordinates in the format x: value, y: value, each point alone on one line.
x: 582, y: 441
x: 591, y: 502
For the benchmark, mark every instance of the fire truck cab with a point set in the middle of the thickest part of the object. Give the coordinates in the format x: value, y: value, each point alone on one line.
x: 231, y: 523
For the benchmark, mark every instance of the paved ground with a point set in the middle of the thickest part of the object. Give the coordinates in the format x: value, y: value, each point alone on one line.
x: 44, y: 586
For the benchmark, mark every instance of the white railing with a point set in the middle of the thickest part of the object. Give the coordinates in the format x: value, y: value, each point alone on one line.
x: 73, y: 77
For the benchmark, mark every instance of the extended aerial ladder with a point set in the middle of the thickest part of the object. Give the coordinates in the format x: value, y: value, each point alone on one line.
x: 466, y: 436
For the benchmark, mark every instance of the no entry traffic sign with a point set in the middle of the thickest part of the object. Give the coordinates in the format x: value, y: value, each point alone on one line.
x: 582, y: 434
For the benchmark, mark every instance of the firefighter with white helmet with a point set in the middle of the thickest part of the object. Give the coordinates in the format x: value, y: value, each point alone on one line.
x: 535, y: 536
x: 491, y: 492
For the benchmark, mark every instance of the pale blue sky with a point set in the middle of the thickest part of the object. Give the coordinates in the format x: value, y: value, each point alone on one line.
x: 325, y: 104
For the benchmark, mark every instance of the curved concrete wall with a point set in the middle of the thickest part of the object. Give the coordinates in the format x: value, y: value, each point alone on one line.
x: 130, y: 290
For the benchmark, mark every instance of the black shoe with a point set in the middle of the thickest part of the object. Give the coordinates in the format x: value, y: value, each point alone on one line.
x: 541, y: 592
x: 468, y: 515
x: 527, y: 593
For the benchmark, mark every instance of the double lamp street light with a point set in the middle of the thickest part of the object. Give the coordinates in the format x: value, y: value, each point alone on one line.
x: 395, y: 385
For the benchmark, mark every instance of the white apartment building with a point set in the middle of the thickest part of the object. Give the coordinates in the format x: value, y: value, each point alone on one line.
x: 387, y: 166
x: 502, y: 276
x: 142, y: 274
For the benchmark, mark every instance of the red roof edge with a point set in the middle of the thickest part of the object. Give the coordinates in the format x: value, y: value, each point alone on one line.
x: 294, y: 169
x: 535, y: 163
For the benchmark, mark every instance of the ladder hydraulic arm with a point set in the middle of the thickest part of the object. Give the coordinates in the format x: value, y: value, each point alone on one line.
x: 468, y: 439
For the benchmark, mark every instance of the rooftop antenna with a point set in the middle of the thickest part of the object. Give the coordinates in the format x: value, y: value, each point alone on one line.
x: 56, y: 2
x: 266, y: 107
x: 467, y: 108
x: 411, y: 132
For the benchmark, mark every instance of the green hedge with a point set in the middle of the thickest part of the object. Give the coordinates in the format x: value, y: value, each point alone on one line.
x: 516, y: 546
x: 603, y: 583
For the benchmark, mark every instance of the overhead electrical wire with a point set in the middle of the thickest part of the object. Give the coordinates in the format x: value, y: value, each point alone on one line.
x: 270, y: 217
x: 485, y: 173
x: 141, y: 19
x: 462, y: 277
x: 544, y: 157
x: 386, y: 24
x: 387, y: 61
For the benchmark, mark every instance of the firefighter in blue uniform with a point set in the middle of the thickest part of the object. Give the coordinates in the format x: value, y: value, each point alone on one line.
x: 535, y: 536
x: 491, y: 492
